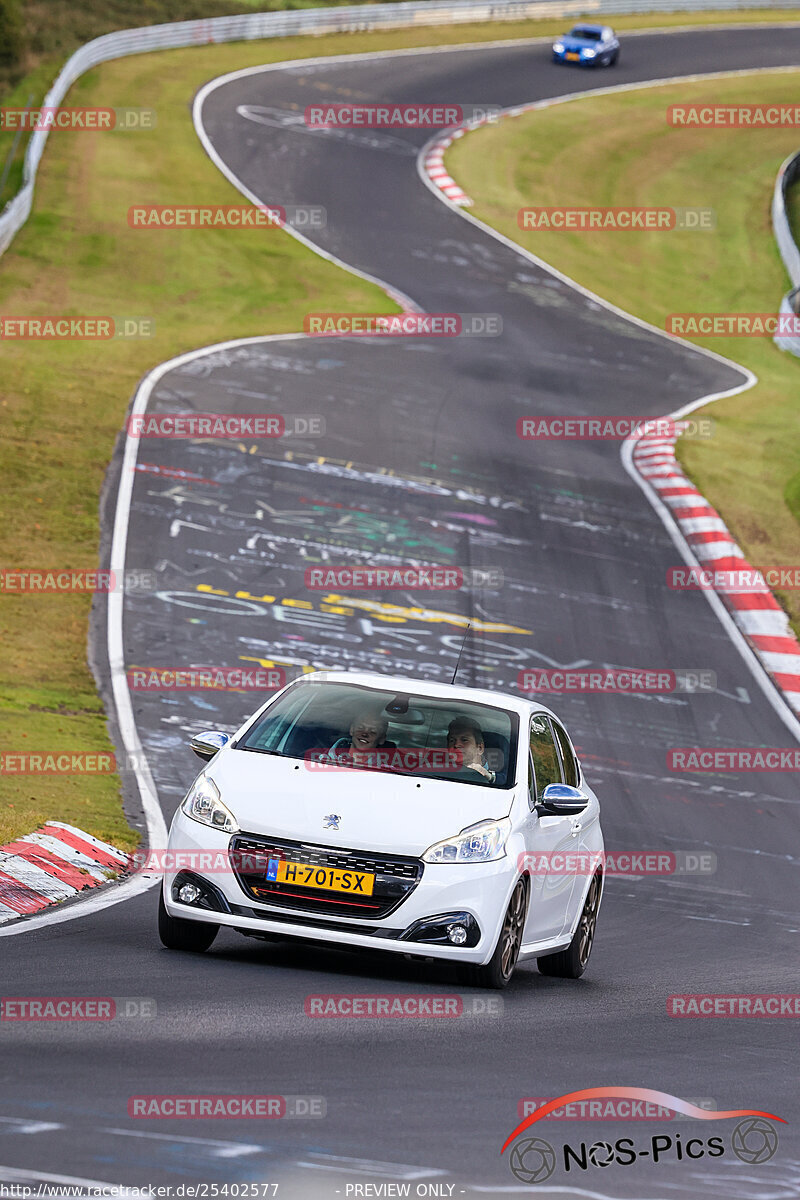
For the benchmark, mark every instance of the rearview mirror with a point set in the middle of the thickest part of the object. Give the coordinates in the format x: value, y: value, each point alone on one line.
x: 560, y: 800
x: 206, y: 744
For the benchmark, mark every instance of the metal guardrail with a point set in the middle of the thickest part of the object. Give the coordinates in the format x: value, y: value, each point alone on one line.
x: 317, y: 21
x: 790, y: 253
x: 789, y: 250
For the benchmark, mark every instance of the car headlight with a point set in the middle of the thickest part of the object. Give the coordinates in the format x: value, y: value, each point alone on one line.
x: 483, y: 842
x: 588, y: 53
x: 558, y: 47
x: 203, y: 804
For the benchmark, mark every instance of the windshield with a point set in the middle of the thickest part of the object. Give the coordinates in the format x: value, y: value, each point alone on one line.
x: 343, y: 725
x: 588, y: 35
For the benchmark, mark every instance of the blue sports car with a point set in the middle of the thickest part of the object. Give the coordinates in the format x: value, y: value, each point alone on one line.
x: 588, y: 46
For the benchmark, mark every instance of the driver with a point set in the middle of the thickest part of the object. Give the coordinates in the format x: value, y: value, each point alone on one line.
x: 465, y: 735
x: 368, y: 731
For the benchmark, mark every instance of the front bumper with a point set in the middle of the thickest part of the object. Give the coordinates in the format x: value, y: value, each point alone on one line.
x: 580, y: 61
x: 475, y: 894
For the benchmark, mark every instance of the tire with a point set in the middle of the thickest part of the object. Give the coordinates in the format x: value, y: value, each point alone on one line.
x: 176, y: 933
x: 614, y: 59
x: 571, y: 963
x: 496, y: 974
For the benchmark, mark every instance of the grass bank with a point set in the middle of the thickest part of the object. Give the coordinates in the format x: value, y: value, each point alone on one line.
x: 619, y: 150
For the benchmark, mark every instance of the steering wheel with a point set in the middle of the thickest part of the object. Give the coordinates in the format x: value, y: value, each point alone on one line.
x: 469, y: 775
x: 339, y: 744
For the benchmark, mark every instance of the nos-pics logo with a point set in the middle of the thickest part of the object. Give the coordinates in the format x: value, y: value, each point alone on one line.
x: 533, y: 1160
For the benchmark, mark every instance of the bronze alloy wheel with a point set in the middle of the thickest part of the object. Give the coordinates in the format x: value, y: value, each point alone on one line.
x: 511, y: 935
x: 570, y: 963
x: 588, y: 921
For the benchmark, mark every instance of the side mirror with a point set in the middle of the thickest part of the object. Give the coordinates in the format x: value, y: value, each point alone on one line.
x: 206, y: 745
x: 561, y: 800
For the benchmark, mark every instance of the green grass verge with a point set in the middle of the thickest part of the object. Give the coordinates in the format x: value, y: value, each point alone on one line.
x: 61, y: 406
x: 792, y: 496
x: 619, y: 150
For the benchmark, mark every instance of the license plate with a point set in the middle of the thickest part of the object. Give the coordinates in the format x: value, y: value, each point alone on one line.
x: 331, y: 879
x: 572, y: 57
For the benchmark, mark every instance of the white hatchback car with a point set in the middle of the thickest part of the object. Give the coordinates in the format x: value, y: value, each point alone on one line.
x: 392, y: 814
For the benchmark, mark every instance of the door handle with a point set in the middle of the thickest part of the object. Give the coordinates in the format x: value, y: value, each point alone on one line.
x: 577, y: 826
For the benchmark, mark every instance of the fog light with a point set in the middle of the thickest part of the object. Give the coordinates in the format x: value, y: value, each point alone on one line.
x: 189, y: 893
x: 457, y: 934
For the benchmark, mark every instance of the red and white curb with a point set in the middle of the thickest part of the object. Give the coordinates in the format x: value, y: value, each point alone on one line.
x: 756, y: 613
x: 432, y: 160
x: 52, y: 865
x: 433, y: 166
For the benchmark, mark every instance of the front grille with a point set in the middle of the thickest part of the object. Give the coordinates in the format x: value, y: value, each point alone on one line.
x: 395, y: 877
x: 289, y: 919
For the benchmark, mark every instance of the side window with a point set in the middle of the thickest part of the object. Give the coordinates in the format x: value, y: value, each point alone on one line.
x: 567, y: 757
x: 543, y: 753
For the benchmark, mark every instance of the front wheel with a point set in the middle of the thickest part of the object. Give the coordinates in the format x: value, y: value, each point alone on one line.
x: 500, y: 967
x: 177, y: 933
x: 571, y: 963
x: 612, y: 62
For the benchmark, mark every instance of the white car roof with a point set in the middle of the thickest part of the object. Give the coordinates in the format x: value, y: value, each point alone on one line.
x: 427, y: 687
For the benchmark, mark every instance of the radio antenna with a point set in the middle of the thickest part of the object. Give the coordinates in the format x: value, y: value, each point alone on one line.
x: 461, y: 651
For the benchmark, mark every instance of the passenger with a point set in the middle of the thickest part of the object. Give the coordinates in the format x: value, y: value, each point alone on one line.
x: 465, y: 736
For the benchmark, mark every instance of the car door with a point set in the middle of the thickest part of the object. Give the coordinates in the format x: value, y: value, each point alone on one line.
x: 588, y: 838
x: 548, y: 836
x: 604, y: 49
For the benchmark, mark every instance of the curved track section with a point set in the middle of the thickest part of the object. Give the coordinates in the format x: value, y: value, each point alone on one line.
x: 420, y: 461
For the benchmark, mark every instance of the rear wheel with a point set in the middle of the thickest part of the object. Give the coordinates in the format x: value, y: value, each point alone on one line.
x: 571, y: 963
x: 500, y: 967
x: 176, y: 933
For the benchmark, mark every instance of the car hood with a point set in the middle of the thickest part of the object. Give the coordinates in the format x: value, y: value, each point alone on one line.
x: 570, y: 43
x: 397, y: 814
